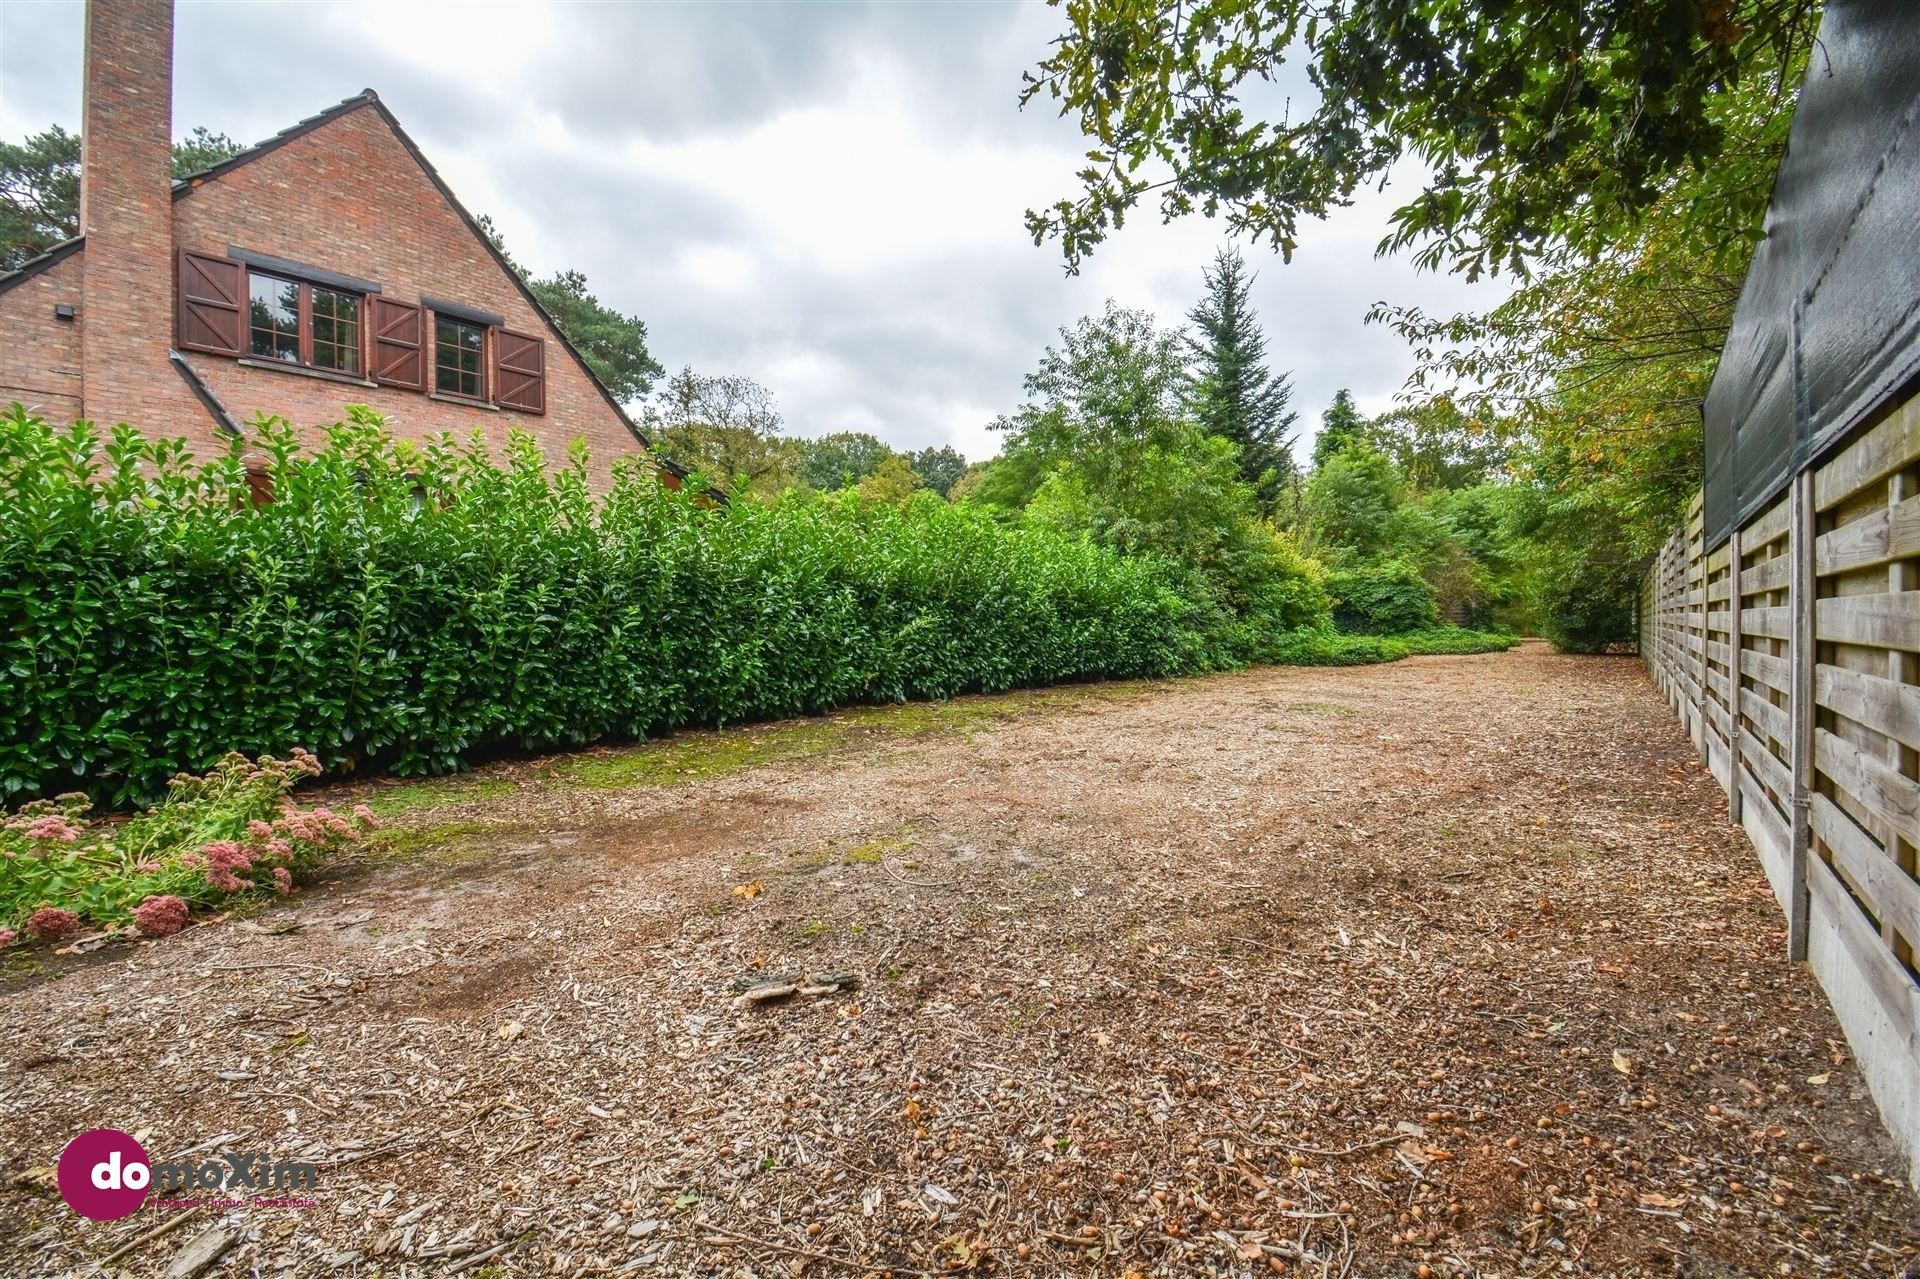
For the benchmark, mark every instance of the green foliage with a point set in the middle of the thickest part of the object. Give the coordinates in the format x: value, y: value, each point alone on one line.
x: 1592, y: 375
x: 1340, y: 425
x: 1387, y: 598
x: 727, y: 428
x: 212, y: 839
x: 1541, y: 127
x: 892, y: 481
x: 39, y: 194
x: 1235, y: 395
x: 40, y: 187
x: 201, y: 150
x: 613, y: 345
x: 1106, y: 450
x: 840, y: 460
x: 938, y: 468
x: 405, y: 607
x: 1350, y: 503
x: 1333, y: 648
x: 1438, y: 445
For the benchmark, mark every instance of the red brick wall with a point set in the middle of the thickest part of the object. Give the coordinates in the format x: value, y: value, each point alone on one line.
x: 126, y: 215
x: 348, y: 197
x: 39, y: 355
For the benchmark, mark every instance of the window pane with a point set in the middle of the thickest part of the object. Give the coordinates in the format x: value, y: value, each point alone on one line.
x: 274, y: 314
x: 457, y: 354
x: 336, y: 331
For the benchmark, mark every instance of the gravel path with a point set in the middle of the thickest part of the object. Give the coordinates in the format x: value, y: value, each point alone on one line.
x: 1447, y: 967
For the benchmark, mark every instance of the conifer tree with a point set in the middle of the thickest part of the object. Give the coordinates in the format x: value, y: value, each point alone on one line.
x: 1235, y: 395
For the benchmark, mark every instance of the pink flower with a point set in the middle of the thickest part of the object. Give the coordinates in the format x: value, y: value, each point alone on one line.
x: 279, y: 848
x: 282, y: 880
x: 150, y: 867
x: 51, y: 923
x: 257, y: 829
x: 303, y: 760
x: 160, y: 916
x: 225, y: 854
x: 192, y: 861
x: 6, y: 936
x: 223, y: 880
x: 366, y: 817
x: 54, y: 828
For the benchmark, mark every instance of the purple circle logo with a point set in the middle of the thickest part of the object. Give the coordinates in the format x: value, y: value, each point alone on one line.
x: 103, y: 1174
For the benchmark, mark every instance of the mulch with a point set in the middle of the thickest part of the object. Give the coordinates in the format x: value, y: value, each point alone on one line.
x: 1448, y: 967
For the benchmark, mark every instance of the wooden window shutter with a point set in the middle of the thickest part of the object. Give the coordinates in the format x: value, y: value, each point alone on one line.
x: 211, y: 315
x: 519, y: 372
x: 398, y: 357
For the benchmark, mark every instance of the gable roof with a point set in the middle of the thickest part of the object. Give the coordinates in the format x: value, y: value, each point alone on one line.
x: 34, y: 266
x: 186, y: 185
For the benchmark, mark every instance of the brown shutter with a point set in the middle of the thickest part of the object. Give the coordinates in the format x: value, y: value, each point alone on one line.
x: 397, y: 356
x: 519, y: 372
x: 210, y: 294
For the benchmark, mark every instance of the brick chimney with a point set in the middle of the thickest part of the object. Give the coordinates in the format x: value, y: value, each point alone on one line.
x: 126, y: 213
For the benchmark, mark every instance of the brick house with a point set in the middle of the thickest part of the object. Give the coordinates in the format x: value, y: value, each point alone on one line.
x: 329, y: 265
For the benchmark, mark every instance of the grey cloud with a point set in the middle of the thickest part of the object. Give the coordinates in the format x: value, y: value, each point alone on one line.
x: 924, y: 348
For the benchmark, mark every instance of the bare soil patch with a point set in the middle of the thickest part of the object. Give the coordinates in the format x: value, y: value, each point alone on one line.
x: 1447, y: 967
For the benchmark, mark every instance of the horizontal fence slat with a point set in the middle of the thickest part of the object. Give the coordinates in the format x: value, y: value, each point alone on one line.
x: 1767, y: 575
x: 1770, y: 719
x: 1765, y: 668
x: 1768, y: 526
x: 1774, y: 623
x: 1877, y: 621
x: 1880, y: 790
x: 1881, y: 704
x: 1885, y: 535
x: 1890, y: 892
x: 1893, y: 988
x: 1766, y: 766
x: 1875, y: 455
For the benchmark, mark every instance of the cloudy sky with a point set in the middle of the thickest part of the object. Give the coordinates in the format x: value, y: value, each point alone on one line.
x: 826, y: 197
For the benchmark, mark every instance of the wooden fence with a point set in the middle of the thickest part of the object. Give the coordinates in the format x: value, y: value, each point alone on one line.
x: 1809, y: 717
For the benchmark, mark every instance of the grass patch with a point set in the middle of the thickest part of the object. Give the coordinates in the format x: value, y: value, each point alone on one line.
x: 441, y: 842
x: 874, y: 851
x: 694, y: 756
x: 421, y: 797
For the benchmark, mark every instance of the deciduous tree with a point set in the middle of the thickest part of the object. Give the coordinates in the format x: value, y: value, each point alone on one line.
x: 1541, y: 126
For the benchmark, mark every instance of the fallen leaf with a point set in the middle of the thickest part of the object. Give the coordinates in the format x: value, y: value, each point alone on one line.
x: 747, y: 892
x: 1820, y: 1078
x: 511, y: 1030
x: 1651, y: 1200
x: 1622, y: 1062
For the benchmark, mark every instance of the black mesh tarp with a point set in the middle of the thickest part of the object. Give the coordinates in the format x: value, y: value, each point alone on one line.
x: 1828, y: 319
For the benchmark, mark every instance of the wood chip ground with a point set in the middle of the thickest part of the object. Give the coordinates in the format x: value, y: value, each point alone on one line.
x: 1449, y: 967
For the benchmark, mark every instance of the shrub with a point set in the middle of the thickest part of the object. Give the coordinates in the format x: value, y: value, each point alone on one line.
x: 405, y: 607
x: 232, y: 832
x: 1332, y: 648
x: 1388, y: 598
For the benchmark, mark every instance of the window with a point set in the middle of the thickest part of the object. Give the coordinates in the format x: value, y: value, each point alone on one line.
x: 275, y: 309
x: 458, y: 364
x: 336, y: 330
x: 303, y: 324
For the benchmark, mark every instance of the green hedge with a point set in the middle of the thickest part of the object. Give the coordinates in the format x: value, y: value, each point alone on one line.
x: 404, y: 608
x: 1388, y: 598
x: 1323, y: 648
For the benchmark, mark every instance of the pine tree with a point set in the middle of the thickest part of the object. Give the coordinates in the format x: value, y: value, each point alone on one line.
x: 1235, y: 395
x: 1340, y: 423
